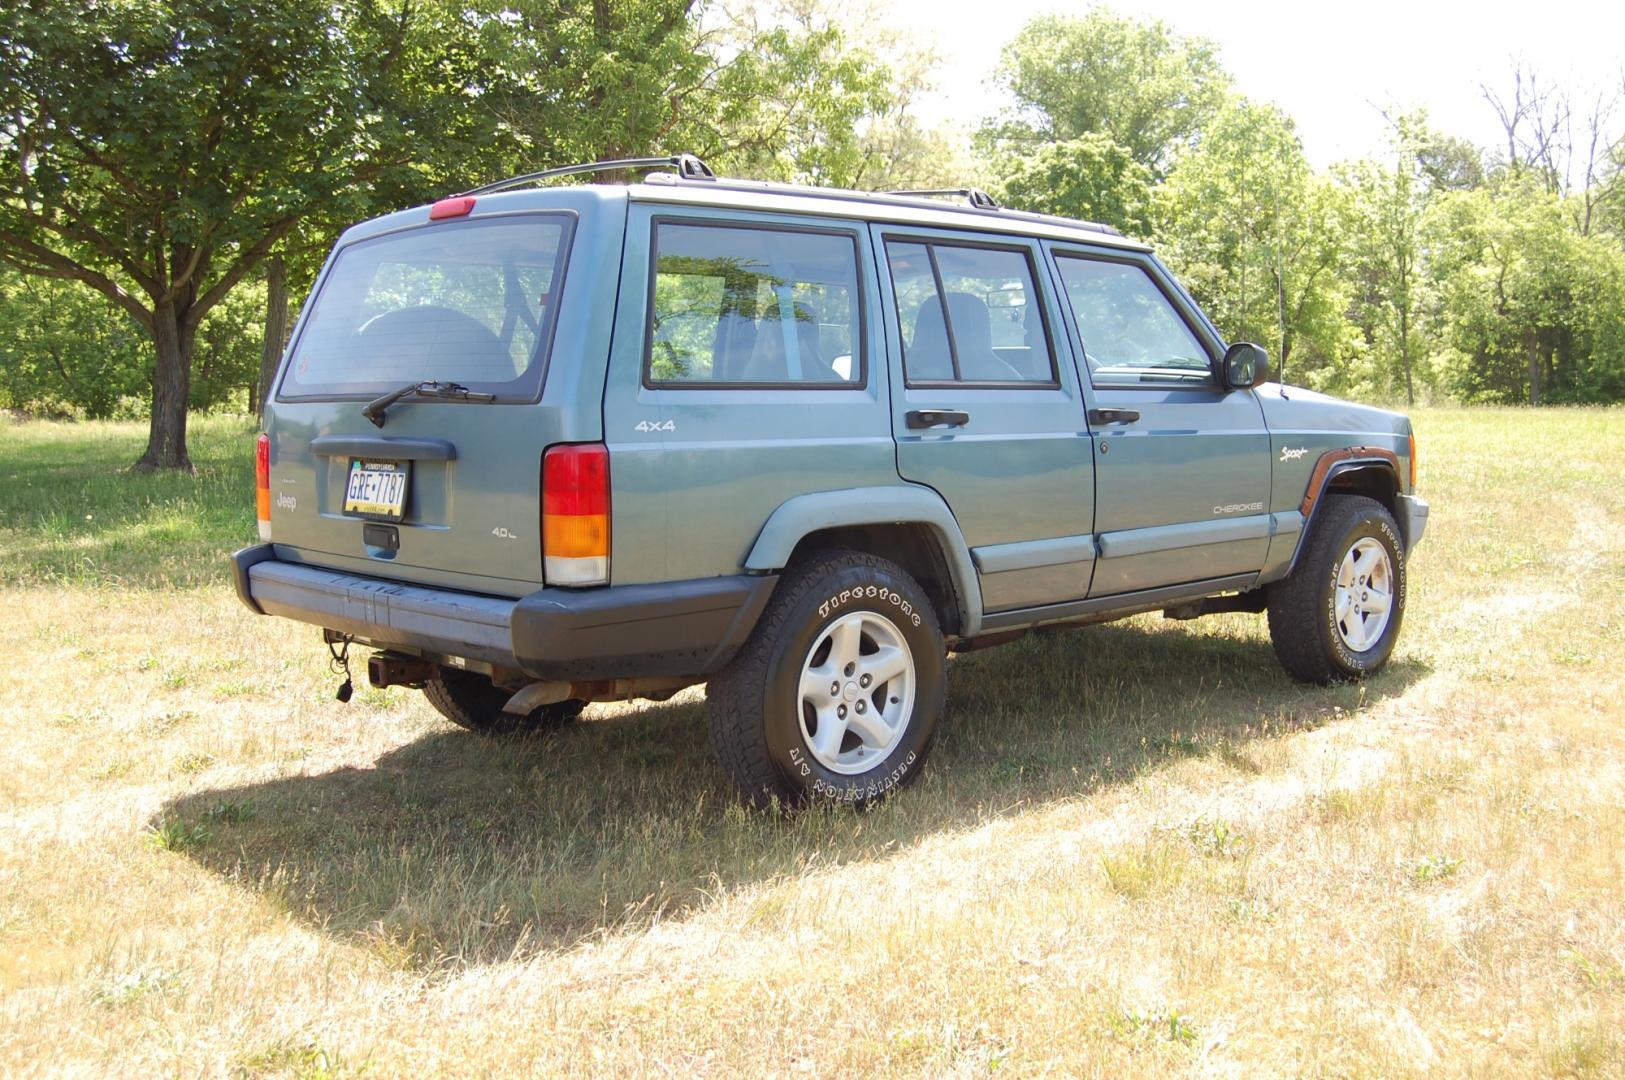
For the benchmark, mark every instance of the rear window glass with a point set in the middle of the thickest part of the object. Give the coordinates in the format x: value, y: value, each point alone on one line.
x: 469, y: 302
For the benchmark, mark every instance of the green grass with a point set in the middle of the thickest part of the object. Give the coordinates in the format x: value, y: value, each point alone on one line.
x: 1137, y: 849
x: 72, y: 512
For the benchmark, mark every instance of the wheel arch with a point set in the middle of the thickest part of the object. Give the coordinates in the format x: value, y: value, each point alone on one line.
x: 909, y: 525
x: 1372, y: 471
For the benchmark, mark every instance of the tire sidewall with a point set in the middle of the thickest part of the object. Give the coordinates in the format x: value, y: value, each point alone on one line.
x: 845, y: 591
x: 1379, y: 526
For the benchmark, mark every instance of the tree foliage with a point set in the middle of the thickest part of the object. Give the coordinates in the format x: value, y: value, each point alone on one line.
x: 157, y: 150
x: 1254, y: 232
x: 1137, y: 83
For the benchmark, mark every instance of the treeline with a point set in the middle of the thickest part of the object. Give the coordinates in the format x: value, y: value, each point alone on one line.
x: 176, y: 169
x: 1439, y: 269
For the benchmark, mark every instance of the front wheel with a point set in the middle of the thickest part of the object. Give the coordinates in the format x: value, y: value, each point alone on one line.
x: 837, y: 693
x: 1337, y: 615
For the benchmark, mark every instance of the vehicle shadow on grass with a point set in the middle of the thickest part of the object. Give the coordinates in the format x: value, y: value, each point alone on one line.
x: 455, y: 849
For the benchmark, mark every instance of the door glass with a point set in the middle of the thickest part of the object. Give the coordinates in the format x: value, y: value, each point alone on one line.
x: 1132, y: 336
x: 737, y: 306
x: 992, y: 331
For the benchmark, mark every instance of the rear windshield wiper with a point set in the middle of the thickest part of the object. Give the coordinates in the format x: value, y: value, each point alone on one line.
x: 446, y: 391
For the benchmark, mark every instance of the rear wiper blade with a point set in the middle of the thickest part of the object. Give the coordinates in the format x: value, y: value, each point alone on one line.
x: 431, y: 388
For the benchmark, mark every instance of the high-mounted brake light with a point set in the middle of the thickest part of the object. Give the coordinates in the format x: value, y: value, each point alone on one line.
x: 262, y: 484
x: 575, y: 515
x: 458, y: 206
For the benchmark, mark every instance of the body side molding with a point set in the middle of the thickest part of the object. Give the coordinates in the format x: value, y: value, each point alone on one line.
x: 1183, y: 535
x: 1034, y: 554
x: 1117, y: 604
x: 891, y: 505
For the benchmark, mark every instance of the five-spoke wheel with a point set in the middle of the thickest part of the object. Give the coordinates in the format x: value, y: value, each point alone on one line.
x: 857, y: 692
x: 1365, y: 593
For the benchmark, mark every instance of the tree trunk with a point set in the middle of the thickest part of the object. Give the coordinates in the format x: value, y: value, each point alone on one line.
x: 1532, y: 343
x: 171, y: 391
x: 276, y: 327
x: 1405, y: 352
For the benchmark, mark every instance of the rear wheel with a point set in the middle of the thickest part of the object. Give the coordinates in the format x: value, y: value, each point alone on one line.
x: 1338, y: 614
x: 470, y: 700
x: 837, y: 694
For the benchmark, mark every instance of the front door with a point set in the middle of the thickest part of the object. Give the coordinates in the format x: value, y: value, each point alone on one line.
x: 987, y: 410
x: 1182, y: 466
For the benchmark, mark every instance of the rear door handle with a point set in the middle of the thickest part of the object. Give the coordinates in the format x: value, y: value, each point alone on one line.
x: 925, y: 418
x: 1113, y: 416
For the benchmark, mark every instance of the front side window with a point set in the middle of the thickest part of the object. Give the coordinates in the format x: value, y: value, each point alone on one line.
x: 752, y: 307
x: 469, y: 302
x: 968, y: 314
x: 1132, y: 336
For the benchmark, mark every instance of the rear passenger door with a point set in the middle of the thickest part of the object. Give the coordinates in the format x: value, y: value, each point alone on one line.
x: 741, y: 375
x: 985, y: 411
x: 1182, y: 467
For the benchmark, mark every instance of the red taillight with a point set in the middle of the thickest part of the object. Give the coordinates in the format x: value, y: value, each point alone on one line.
x: 575, y: 515
x: 262, y: 484
x: 448, y: 208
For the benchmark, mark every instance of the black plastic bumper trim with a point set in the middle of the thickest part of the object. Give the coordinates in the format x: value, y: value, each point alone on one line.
x: 679, y: 628
x: 241, y: 562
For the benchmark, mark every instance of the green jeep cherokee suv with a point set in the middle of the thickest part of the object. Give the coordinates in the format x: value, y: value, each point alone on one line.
x: 546, y: 446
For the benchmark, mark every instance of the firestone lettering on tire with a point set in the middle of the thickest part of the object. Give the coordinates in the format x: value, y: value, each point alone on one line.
x: 869, y: 592
x: 873, y: 789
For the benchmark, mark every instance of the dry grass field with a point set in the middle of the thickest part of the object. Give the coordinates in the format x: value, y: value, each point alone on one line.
x: 1138, y: 850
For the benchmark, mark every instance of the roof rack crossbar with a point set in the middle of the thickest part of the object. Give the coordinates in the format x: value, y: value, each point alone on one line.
x: 978, y: 198
x: 687, y: 166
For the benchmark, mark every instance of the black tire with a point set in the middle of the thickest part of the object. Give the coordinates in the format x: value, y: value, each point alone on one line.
x: 759, y: 717
x: 469, y: 700
x: 1303, y: 616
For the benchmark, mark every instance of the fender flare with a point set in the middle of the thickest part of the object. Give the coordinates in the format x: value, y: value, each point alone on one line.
x: 900, y: 504
x: 1330, y: 465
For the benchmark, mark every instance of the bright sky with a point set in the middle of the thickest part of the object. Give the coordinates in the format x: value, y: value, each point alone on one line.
x: 1329, y: 65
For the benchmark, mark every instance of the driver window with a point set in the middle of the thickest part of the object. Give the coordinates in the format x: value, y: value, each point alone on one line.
x: 739, y: 306
x: 1132, y: 336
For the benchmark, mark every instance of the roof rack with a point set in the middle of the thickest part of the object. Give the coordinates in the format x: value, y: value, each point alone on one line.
x: 978, y: 198
x: 686, y: 166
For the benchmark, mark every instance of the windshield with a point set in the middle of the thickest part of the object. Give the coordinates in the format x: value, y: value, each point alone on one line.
x: 469, y: 302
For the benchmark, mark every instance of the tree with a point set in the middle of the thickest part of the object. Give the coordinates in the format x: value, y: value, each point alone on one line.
x: 158, y: 150
x: 62, y: 352
x: 1257, y: 236
x: 1387, y: 252
x: 1137, y: 82
x: 772, y: 90
x: 1534, y: 309
x: 1090, y: 177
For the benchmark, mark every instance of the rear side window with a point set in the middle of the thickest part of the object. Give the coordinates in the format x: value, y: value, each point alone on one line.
x: 1132, y: 336
x: 969, y: 314
x: 469, y: 302
x: 746, y: 306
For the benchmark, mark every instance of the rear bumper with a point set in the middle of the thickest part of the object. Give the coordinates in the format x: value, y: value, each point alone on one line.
x: 1413, y: 520
x: 679, y: 629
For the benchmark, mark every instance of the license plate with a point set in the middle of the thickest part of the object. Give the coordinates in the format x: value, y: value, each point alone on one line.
x: 377, y: 489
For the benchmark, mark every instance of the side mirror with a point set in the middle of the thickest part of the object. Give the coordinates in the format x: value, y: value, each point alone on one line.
x: 1244, y: 365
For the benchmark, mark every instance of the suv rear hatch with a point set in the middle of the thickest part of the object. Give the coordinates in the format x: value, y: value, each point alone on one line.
x: 447, y: 490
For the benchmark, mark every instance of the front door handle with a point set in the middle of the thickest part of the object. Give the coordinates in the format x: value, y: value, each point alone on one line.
x: 925, y: 418
x: 1113, y: 416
